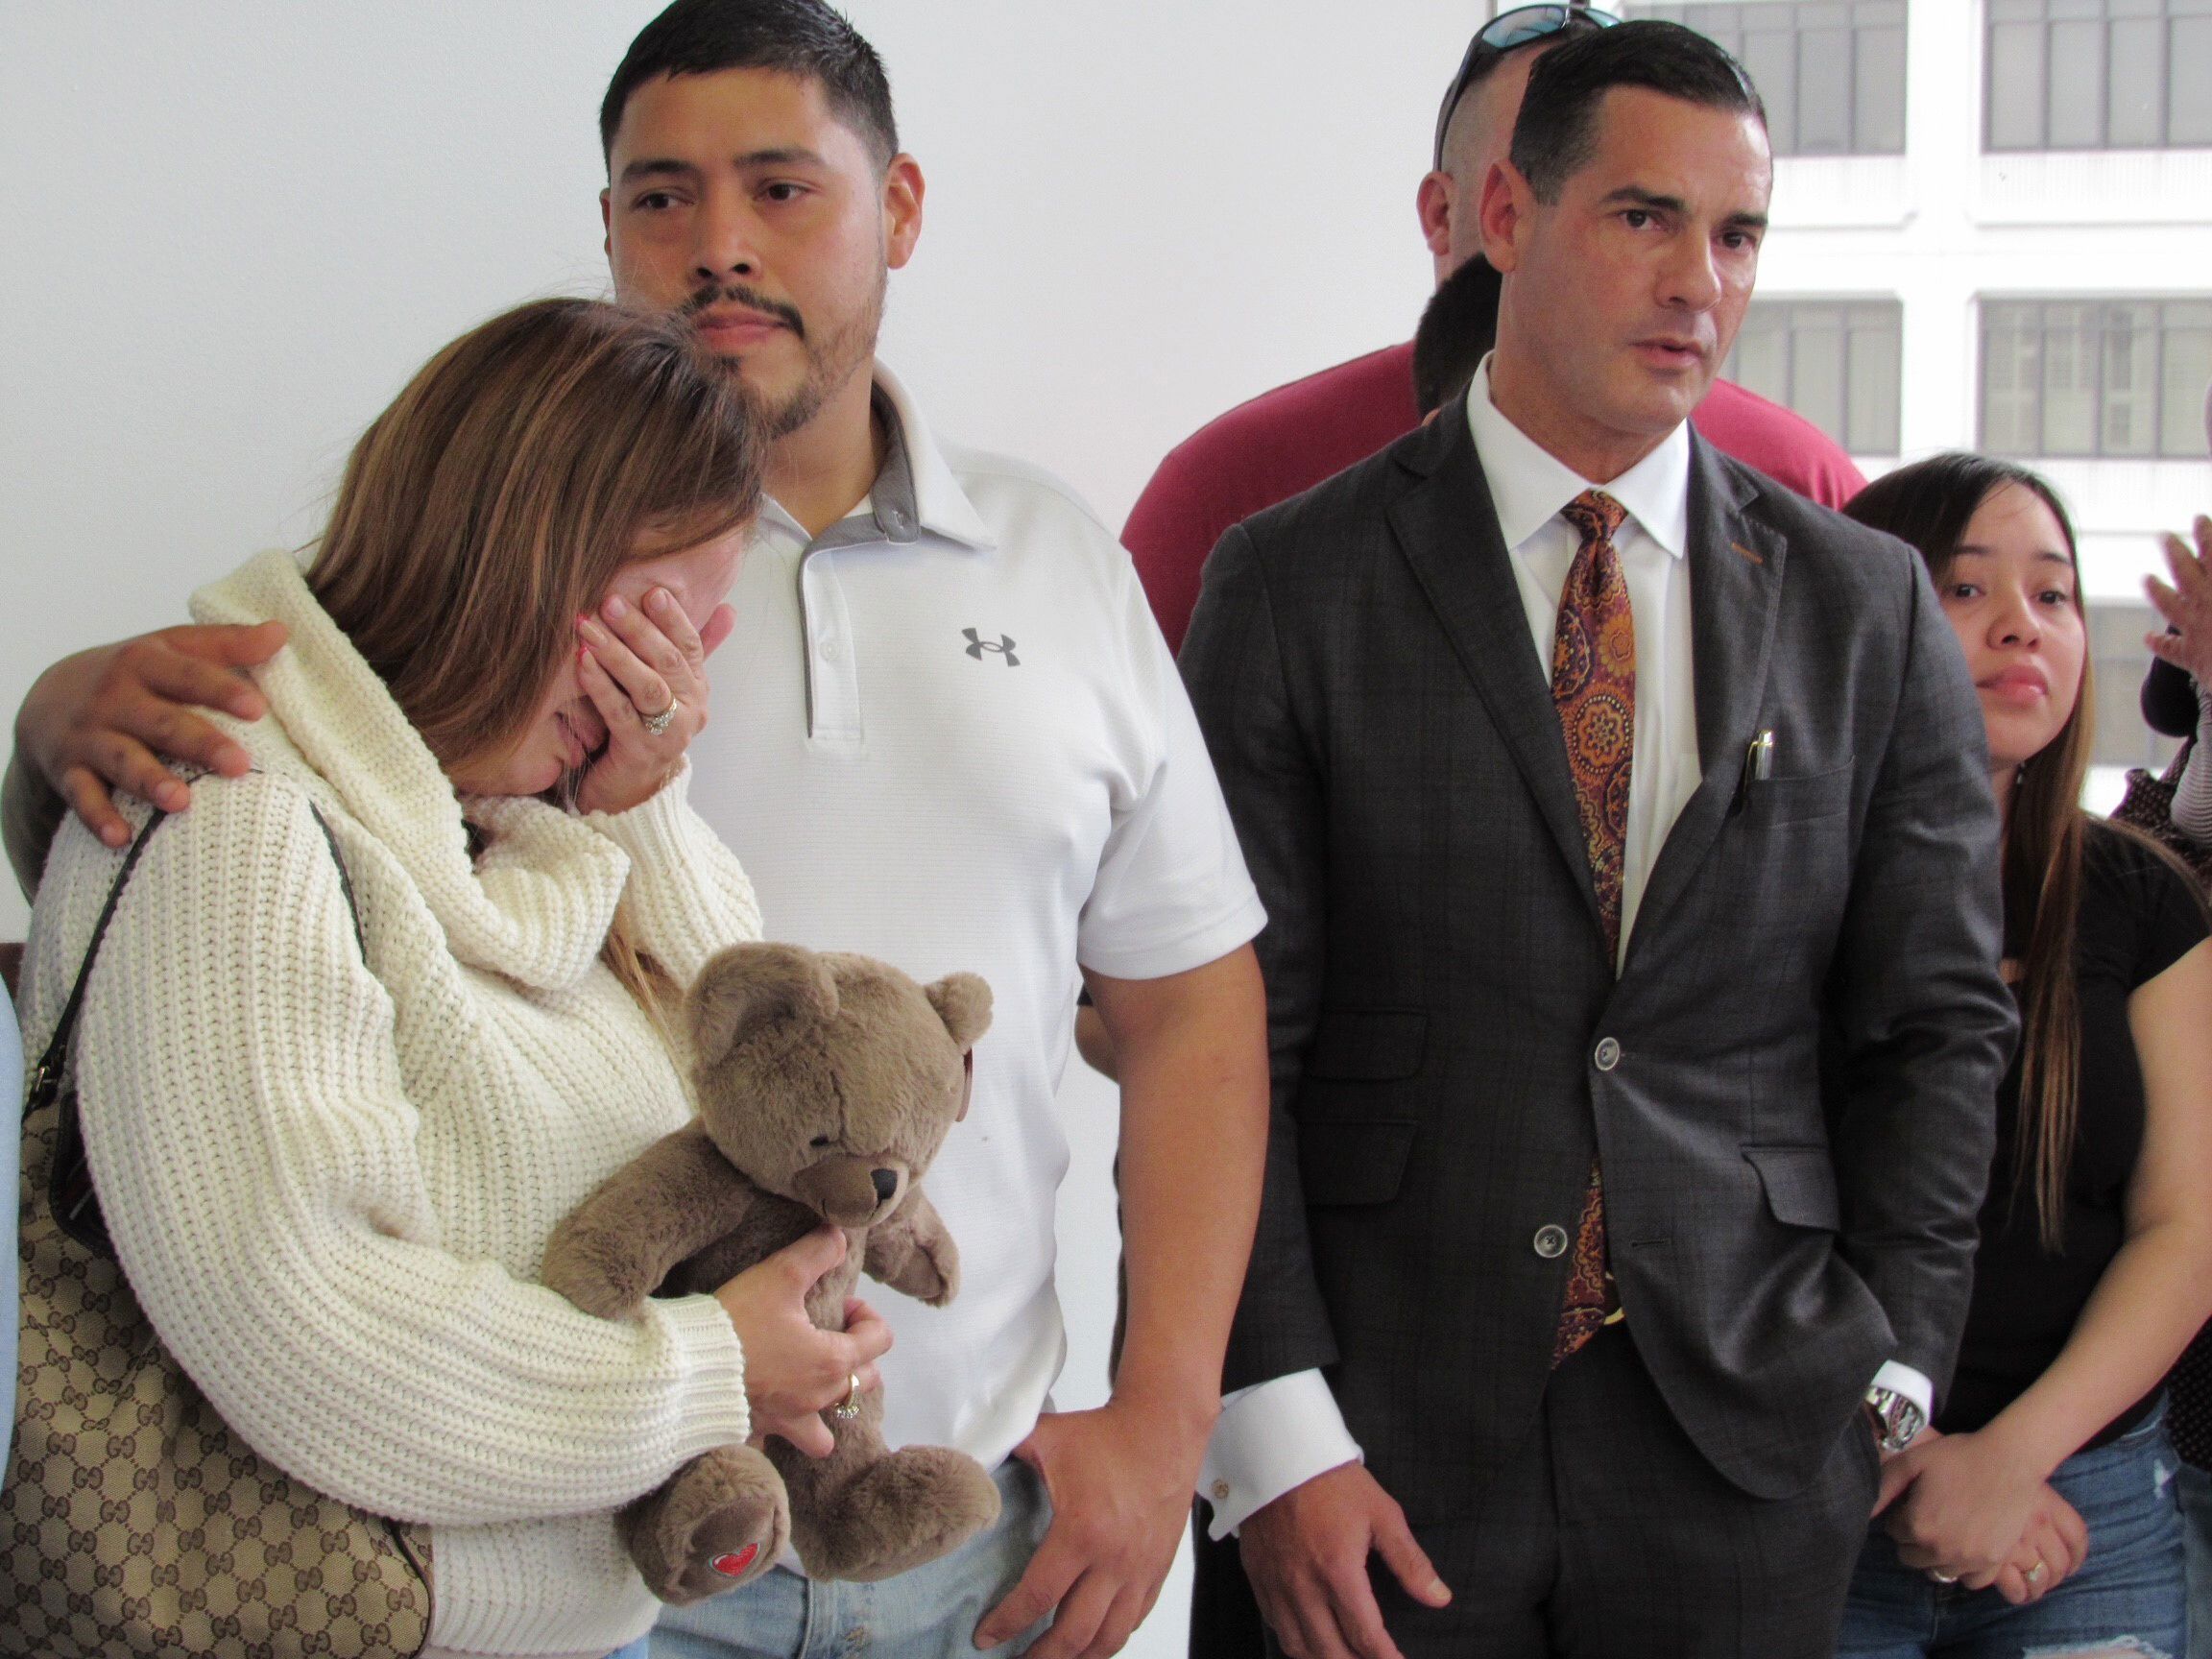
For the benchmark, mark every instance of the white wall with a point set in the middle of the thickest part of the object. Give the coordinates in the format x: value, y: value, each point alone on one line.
x: 233, y: 230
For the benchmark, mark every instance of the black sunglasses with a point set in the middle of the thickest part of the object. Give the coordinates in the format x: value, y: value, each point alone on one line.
x: 1504, y: 34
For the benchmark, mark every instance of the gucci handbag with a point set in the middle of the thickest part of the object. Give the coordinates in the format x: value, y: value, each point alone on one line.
x: 133, y: 1521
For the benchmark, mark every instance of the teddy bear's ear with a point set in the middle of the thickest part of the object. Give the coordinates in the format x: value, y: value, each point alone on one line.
x: 749, y: 985
x: 963, y: 1001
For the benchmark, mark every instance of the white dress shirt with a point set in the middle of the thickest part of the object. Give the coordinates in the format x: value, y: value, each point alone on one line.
x: 1282, y: 1432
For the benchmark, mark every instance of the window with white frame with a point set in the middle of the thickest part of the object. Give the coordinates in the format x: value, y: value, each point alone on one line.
x: 2098, y: 75
x: 2096, y: 377
x: 1830, y: 72
x: 1837, y: 362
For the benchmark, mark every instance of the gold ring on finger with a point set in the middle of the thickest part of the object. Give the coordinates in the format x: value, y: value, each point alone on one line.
x: 656, y: 724
x: 849, y: 1407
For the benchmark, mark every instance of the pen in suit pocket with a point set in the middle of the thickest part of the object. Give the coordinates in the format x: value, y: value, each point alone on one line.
x: 1758, y: 765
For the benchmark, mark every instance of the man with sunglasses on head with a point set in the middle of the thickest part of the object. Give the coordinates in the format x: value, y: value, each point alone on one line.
x: 1288, y: 440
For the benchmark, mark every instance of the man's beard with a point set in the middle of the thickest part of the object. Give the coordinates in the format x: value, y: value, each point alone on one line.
x: 831, y: 361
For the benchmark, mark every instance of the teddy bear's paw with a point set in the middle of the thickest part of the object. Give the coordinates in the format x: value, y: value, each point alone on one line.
x: 596, y: 1280
x: 720, y: 1521
x: 911, y: 1507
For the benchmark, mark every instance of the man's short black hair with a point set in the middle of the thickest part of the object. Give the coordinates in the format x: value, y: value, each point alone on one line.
x: 802, y: 37
x: 1557, y: 132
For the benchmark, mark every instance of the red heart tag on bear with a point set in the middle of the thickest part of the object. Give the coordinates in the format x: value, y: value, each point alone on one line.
x: 731, y: 1565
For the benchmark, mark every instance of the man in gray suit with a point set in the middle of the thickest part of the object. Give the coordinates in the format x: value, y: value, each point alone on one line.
x: 1631, y: 867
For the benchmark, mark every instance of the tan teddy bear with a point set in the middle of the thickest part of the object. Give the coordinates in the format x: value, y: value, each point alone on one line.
x: 826, y: 1084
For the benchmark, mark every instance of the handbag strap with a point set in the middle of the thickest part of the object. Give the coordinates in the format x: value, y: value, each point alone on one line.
x: 54, y: 1065
x: 46, y: 1077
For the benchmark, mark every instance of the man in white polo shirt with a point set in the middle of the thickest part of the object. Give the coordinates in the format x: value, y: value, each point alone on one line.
x: 947, y: 732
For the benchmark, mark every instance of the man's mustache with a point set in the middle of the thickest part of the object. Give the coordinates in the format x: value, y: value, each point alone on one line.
x: 737, y: 294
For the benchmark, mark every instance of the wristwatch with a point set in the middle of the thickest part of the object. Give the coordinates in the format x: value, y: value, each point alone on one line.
x: 1897, y: 1417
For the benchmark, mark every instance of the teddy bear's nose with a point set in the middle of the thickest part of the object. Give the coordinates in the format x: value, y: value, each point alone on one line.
x: 886, y: 1182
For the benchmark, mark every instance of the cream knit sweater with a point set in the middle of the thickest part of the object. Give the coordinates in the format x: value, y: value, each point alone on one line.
x: 331, y: 1183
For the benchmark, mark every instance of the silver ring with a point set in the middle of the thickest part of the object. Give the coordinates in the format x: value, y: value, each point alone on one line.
x: 1942, y: 1577
x: 2034, y: 1574
x: 656, y: 724
x: 849, y: 1407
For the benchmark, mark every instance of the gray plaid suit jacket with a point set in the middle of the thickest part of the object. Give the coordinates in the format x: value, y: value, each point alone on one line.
x: 1796, y: 1134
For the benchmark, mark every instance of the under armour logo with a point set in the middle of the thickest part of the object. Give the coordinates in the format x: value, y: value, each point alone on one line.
x: 977, y: 645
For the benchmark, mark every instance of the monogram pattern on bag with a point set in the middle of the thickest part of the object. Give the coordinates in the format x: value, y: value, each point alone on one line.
x: 135, y: 1522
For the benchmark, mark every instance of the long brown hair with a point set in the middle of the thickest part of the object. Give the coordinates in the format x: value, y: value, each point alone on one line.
x: 498, y: 497
x: 1930, y: 504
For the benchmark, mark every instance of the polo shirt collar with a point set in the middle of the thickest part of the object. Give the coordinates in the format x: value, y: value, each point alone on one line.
x: 916, y: 488
x: 1529, y: 484
x: 937, y: 501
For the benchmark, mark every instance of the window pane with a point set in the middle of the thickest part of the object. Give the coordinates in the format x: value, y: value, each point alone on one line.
x: 1761, y: 361
x: 2069, y: 380
x: 2189, y: 83
x: 2133, y: 80
x: 2184, y: 369
x: 1770, y: 59
x: 1816, y: 369
x: 1880, y: 93
x: 2015, y: 86
x: 1824, y: 92
x: 2116, y: 630
x: 2012, y: 373
x: 1875, y: 357
x: 2077, y: 85
x: 2131, y: 403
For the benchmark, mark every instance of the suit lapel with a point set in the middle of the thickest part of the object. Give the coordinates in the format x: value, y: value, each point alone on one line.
x: 1447, y: 529
x: 1734, y: 587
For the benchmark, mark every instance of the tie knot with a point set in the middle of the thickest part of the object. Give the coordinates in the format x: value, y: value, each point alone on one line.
x: 1595, y: 515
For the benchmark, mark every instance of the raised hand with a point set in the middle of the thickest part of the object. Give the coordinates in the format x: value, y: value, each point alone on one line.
x: 2187, y: 604
x: 646, y: 671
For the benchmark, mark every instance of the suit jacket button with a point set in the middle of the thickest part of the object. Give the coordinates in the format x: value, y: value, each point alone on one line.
x: 1608, y: 1054
x: 1551, y: 1243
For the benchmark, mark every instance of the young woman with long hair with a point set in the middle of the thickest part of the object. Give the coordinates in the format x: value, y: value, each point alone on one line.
x: 328, y: 1151
x: 2094, y: 1266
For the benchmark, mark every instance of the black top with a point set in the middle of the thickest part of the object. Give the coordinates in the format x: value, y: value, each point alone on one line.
x: 2138, y: 918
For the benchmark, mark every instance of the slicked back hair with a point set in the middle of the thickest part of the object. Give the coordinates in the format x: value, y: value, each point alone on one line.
x: 801, y: 38
x: 1556, y: 132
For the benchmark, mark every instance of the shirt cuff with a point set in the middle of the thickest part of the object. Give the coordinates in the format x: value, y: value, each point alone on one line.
x: 1913, y: 1385
x: 1270, y: 1437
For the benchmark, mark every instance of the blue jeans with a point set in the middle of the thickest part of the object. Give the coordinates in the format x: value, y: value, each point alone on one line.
x: 930, y: 1613
x: 2126, y: 1598
x: 2194, y: 1487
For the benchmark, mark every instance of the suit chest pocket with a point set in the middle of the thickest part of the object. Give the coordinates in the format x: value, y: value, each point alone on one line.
x: 1777, y: 800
